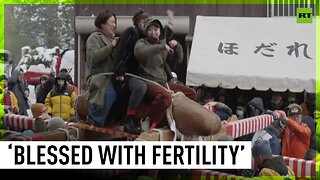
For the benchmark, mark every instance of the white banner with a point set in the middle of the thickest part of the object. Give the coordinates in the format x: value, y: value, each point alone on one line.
x: 125, y: 155
x: 251, y: 52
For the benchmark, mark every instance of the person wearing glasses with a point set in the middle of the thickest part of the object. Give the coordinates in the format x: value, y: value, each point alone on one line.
x: 60, y: 100
x: 297, y: 135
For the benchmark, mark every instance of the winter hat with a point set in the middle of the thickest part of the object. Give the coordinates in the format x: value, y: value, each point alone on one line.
x: 37, y: 109
x: 257, y: 103
x: 64, y: 70
x: 293, y: 109
x: 55, y: 123
x: 261, y: 148
x: 152, y: 21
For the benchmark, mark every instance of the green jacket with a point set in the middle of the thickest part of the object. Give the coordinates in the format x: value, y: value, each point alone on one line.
x: 152, y: 59
x: 99, y: 56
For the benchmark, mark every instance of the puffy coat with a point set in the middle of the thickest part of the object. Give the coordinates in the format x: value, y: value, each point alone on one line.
x: 60, y: 102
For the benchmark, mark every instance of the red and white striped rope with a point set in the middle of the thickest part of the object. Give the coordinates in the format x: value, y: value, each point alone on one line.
x: 301, y: 167
x: 249, y: 125
x: 20, y: 123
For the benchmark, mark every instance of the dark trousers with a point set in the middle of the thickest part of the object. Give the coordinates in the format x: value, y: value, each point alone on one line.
x: 130, y: 92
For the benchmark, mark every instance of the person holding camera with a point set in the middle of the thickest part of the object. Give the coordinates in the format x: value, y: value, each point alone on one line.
x: 296, y: 139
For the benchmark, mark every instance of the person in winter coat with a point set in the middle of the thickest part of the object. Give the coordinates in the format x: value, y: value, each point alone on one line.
x: 297, y: 135
x: 254, y: 108
x: 60, y: 100
x: 152, y: 53
x: 99, y: 56
x: 10, y: 101
x: 269, y: 166
x: 19, y: 87
x: 126, y: 85
x: 43, y: 80
x: 44, y: 90
x: 272, y: 133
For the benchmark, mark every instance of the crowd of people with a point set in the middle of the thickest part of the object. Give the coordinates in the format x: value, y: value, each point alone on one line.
x: 55, y: 99
x: 145, y: 50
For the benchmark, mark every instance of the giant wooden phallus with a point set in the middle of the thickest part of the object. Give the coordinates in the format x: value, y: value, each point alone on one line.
x: 193, y: 119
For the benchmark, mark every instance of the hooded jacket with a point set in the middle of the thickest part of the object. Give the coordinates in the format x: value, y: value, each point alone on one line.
x: 60, y: 101
x: 258, y: 103
x: 152, y: 56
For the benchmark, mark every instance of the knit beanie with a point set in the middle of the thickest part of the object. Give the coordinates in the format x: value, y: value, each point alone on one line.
x: 55, y: 123
x: 261, y: 148
x: 36, y: 109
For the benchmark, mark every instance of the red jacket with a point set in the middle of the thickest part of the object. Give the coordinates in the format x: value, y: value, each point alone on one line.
x: 298, y: 143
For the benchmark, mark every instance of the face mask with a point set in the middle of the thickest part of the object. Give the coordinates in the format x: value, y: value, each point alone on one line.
x: 291, y: 99
x: 240, y: 114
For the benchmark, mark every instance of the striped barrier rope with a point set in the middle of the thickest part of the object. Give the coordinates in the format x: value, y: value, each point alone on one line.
x: 249, y: 125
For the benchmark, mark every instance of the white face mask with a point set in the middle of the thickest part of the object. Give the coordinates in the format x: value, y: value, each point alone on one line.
x: 291, y: 99
x: 240, y: 114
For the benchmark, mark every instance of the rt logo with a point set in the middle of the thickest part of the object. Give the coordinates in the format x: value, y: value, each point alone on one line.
x: 304, y: 15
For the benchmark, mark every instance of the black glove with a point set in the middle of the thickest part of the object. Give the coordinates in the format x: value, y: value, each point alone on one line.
x: 283, y: 122
x: 273, y: 114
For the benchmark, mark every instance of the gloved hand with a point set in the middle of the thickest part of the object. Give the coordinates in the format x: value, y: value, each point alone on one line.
x: 282, y: 123
x: 272, y: 114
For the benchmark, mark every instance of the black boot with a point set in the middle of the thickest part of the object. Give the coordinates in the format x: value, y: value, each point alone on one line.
x: 130, y: 126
